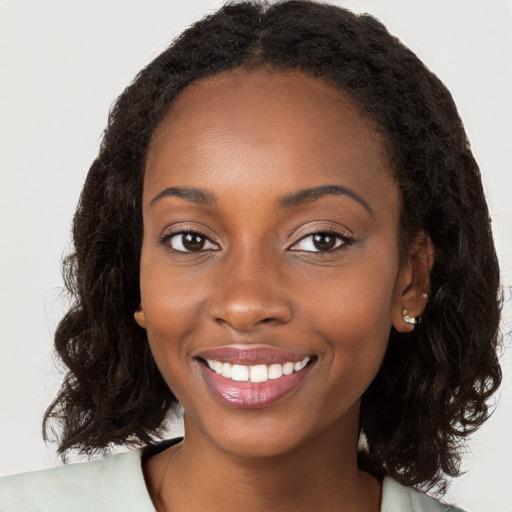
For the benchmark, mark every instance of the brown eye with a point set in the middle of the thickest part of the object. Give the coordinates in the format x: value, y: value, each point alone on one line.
x: 190, y: 242
x: 324, y: 241
x: 193, y: 242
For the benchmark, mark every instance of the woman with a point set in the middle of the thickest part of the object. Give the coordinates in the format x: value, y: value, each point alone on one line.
x: 279, y: 199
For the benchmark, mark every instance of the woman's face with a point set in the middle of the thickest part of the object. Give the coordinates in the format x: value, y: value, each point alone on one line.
x: 270, y: 242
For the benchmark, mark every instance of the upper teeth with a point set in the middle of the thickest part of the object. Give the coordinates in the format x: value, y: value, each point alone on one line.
x: 256, y: 373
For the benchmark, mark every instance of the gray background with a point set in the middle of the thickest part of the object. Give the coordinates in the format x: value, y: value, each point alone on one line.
x: 62, y: 63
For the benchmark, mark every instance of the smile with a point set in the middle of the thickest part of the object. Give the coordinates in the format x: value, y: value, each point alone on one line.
x: 253, y: 378
x: 255, y: 373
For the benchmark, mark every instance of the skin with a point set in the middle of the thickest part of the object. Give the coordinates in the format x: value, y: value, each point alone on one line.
x: 249, y: 139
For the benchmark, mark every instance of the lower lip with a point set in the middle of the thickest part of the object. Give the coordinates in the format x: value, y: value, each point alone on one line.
x: 252, y: 395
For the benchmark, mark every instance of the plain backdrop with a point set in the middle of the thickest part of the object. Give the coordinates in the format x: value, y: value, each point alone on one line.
x: 62, y: 63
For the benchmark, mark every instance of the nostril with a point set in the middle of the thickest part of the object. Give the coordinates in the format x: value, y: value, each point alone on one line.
x: 245, y: 314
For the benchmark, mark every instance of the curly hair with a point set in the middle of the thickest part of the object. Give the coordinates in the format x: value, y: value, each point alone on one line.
x: 434, y: 383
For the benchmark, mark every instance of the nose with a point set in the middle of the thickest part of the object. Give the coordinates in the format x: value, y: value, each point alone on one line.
x: 250, y: 295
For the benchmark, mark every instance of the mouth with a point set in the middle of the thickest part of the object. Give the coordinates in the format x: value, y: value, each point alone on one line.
x: 253, y: 378
x: 256, y: 373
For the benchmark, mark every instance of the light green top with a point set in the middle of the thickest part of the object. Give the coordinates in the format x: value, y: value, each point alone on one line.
x: 116, y: 484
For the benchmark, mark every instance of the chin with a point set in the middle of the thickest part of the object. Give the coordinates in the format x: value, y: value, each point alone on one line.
x: 255, y: 445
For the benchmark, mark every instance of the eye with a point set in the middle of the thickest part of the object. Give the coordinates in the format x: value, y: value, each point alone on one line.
x: 322, y: 241
x: 188, y: 241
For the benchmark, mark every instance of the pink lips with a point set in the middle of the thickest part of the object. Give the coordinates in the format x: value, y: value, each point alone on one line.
x: 250, y: 356
x: 246, y: 394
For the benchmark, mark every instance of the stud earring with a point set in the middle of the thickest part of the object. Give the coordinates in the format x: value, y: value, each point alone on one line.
x: 362, y: 443
x: 408, y: 319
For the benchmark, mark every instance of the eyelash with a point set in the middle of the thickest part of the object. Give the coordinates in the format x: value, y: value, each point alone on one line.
x: 165, y: 239
x: 345, y: 239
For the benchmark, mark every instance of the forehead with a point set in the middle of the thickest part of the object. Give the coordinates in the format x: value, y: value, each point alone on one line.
x: 257, y: 129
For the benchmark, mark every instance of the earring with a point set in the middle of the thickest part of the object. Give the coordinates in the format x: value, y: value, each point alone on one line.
x: 362, y: 443
x: 408, y: 319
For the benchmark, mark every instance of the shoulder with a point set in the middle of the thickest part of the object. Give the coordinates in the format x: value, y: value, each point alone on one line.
x: 399, y: 498
x: 111, y: 484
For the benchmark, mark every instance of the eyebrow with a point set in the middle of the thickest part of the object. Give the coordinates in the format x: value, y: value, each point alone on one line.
x: 307, y: 195
x: 192, y: 194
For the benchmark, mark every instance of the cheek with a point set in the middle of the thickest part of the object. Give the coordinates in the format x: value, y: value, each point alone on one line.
x: 353, y: 316
x: 356, y: 344
x: 357, y: 341
x: 170, y: 322
x: 172, y: 307
x: 171, y: 296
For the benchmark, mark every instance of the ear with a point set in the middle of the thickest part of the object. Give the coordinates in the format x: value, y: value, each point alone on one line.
x: 413, y: 284
x: 140, y: 317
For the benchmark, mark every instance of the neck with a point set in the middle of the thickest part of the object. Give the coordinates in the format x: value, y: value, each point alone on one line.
x: 320, y: 474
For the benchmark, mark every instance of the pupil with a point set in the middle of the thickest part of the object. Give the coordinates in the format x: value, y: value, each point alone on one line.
x: 193, y: 242
x: 324, y: 242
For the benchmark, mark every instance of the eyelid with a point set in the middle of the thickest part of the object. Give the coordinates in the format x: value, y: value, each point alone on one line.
x: 169, y: 233
x: 338, y: 231
x: 344, y: 234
